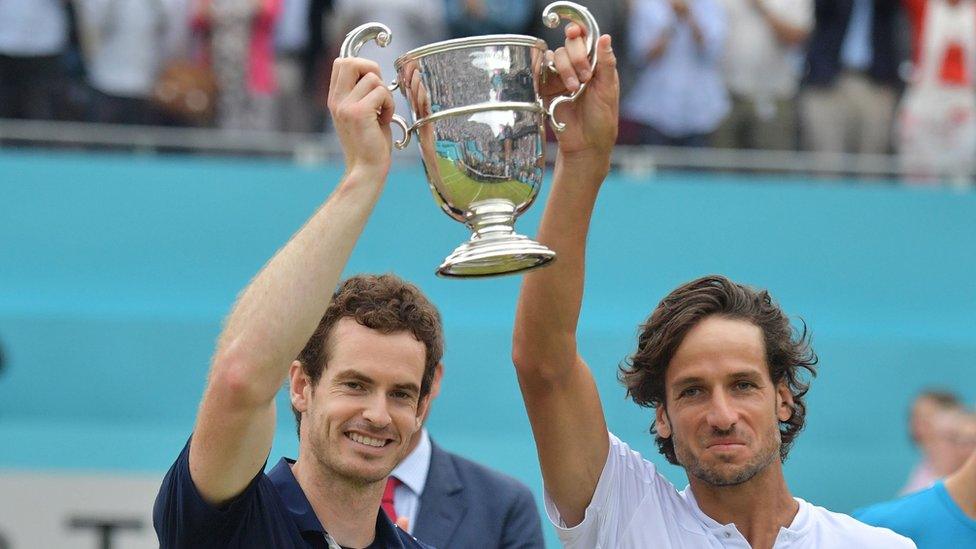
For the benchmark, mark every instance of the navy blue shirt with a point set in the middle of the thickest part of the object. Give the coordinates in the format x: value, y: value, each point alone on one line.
x: 272, y: 512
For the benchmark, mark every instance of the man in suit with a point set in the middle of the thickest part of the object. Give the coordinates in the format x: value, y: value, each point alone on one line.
x: 449, y: 501
x: 852, y: 79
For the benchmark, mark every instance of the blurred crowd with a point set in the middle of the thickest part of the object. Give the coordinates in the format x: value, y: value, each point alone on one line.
x: 856, y: 76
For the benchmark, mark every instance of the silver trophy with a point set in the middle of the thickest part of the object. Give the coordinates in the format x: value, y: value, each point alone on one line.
x: 479, y: 120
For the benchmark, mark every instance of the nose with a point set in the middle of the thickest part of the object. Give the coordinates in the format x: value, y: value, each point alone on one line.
x: 376, y: 411
x: 722, y: 415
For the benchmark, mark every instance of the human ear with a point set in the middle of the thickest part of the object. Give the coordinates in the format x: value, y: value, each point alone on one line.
x: 299, y: 387
x: 662, y: 423
x: 784, y: 401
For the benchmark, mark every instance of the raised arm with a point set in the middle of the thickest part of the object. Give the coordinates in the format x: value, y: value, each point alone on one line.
x: 560, y: 394
x: 280, y: 309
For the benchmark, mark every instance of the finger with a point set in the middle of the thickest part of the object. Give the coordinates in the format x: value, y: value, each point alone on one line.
x: 606, y: 58
x: 565, y: 69
x: 364, y: 86
x: 574, y: 31
x: 380, y: 100
x: 576, y: 48
x: 351, y: 69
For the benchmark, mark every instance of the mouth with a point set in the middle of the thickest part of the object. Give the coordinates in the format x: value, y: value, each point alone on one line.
x: 368, y: 441
x: 725, y: 445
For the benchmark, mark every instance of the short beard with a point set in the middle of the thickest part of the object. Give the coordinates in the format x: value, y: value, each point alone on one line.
x: 714, y: 475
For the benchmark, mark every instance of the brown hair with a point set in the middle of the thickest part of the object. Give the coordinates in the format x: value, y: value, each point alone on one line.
x: 682, y: 309
x: 385, y: 303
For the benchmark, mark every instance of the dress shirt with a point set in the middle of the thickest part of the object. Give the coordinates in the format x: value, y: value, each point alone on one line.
x: 756, y: 64
x: 856, y: 51
x: 33, y: 27
x: 412, y: 474
x: 681, y: 92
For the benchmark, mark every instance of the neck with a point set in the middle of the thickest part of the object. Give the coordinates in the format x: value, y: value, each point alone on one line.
x: 961, y: 486
x: 758, y: 507
x: 347, y: 510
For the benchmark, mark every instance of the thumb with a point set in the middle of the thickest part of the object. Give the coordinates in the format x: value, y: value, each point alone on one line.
x: 403, y: 523
x: 606, y: 55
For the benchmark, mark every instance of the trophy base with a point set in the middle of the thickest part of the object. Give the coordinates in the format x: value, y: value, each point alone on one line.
x: 495, y: 255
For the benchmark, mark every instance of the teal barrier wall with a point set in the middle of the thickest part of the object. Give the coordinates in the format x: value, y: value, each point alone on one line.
x: 115, y: 272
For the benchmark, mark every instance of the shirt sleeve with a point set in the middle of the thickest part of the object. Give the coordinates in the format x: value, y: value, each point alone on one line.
x: 627, y: 481
x: 182, y: 518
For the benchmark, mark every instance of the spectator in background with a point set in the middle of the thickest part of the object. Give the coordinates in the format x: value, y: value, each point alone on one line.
x: 242, y: 56
x: 412, y: 23
x: 852, y: 79
x: 613, y: 17
x: 936, y: 131
x: 944, y: 515
x: 760, y: 65
x: 449, y: 501
x: 292, y: 40
x: 679, y: 99
x: 474, y: 17
x: 927, y: 406
x: 33, y: 37
x: 126, y: 45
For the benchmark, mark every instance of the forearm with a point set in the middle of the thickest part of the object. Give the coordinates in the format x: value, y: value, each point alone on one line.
x: 551, y: 298
x: 280, y: 309
x: 787, y: 33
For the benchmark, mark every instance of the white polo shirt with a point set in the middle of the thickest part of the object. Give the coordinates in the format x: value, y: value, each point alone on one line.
x: 635, y: 507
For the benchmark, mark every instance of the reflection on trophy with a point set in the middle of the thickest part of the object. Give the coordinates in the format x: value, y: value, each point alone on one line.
x: 479, y: 120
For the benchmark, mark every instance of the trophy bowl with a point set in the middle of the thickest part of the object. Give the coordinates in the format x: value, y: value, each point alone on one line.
x: 479, y: 121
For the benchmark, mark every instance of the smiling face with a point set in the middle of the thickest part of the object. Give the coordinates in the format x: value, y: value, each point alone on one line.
x: 722, y: 409
x: 358, y: 419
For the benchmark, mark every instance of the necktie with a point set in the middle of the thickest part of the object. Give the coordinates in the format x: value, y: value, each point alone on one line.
x: 387, y: 504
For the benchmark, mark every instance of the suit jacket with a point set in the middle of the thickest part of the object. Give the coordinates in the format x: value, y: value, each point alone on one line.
x: 468, y: 506
x: 889, y: 47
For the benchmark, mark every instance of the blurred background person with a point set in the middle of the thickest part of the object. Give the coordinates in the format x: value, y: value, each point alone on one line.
x: 926, y: 407
x: 33, y: 37
x: 852, y: 80
x: 943, y: 515
x: 412, y: 23
x: 762, y: 72
x: 126, y: 44
x: 242, y: 56
x: 936, y: 131
x: 293, y: 43
x: 450, y: 501
x: 679, y: 98
x: 474, y: 17
x: 613, y: 17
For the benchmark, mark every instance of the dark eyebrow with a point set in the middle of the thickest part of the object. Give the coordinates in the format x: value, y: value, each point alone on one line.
x: 353, y: 375
x: 683, y: 382
x: 747, y: 376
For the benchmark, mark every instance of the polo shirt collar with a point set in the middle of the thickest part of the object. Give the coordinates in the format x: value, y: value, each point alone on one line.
x: 301, y: 511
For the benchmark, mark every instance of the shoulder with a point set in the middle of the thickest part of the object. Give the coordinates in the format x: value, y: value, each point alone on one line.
x: 896, y: 511
x: 838, y: 529
x: 476, y: 475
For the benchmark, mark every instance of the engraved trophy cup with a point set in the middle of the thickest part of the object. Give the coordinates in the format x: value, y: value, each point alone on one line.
x: 479, y: 121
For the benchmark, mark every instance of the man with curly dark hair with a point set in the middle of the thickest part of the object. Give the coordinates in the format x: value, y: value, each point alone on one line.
x: 718, y: 361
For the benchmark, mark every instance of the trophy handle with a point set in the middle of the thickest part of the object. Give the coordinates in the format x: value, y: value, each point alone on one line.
x: 354, y: 41
x: 575, y: 13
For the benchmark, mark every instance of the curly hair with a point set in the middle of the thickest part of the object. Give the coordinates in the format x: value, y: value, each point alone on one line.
x: 385, y: 303
x: 787, y: 352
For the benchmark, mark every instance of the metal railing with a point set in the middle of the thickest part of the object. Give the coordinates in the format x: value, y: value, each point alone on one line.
x: 320, y: 148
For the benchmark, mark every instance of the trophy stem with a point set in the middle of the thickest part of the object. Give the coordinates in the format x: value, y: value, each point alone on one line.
x: 495, y: 248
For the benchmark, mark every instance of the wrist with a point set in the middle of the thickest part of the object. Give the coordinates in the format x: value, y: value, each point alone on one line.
x: 585, y: 162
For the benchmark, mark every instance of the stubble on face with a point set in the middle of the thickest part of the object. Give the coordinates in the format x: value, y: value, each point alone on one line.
x: 726, y: 472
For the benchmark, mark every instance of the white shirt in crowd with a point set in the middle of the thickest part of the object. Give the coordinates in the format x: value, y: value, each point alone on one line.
x: 634, y: 507
x: 31, y: 28
x: 756, y: 64
x: 126, y: 42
